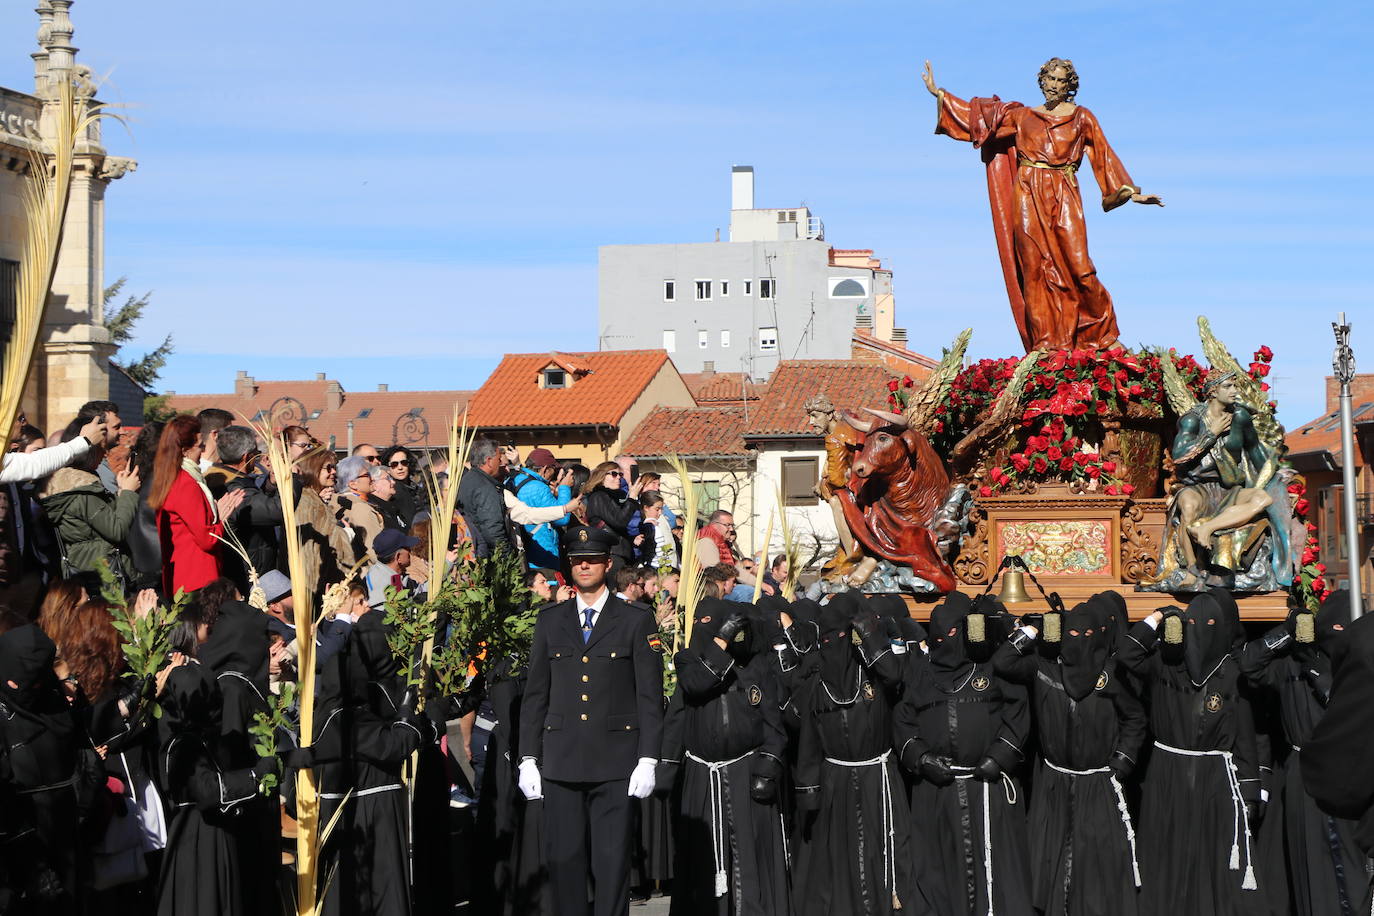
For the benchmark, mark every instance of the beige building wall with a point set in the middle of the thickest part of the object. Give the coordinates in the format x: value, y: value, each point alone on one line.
x: 666, y: 389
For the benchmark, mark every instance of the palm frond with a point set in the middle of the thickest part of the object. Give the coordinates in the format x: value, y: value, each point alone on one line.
x: 689, y: 582
x: 920, y: 409
x: 1175, y: 388
x: 47, y: 192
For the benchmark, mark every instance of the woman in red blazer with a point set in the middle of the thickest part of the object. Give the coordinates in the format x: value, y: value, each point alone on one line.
x: 189, y: 520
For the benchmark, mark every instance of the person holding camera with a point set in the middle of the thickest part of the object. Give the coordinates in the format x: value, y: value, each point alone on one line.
x: 543, y: 484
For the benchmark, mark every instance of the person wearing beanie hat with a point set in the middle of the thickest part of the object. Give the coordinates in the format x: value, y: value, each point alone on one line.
x: 1090, y: 726
x: 543, y: 484
x: 960, y: 729
x: 856, y: 854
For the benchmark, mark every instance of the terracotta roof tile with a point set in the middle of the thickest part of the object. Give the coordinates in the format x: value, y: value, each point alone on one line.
x: 689, y: 432
x: 380, y: 418
x: 613, y: 381
x: 848, y: 383
x: 712, y: 388
x: 1324, y: 433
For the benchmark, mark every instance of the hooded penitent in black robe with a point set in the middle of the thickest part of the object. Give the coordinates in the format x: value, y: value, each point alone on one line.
x: 1325, y: 867
x: 1090, y: 728
x: 38, y: 810
x: 962, y: 729
x: 1335, y: 760
x: 509, y: 877
x: 368, y: 728
x: 1195, y: 838
x: 855, y: 856
x: 730, y: 841
x: 236, y: 653
x: 202, y: 870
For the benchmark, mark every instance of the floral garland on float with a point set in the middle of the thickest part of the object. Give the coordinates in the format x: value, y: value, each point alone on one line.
x: 1058, y: 406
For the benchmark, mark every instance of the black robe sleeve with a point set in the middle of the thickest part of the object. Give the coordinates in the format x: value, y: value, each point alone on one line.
x: 773, y: 750
x: 702, y: 675
x: 807, y: 775
x: 1258, y: 657
x: 1246, y: 751
x: 1138, y: 650
x: 911, y: 745
x: 1008, y: 747
x: 1132, y: 721
x: 1015, y: 660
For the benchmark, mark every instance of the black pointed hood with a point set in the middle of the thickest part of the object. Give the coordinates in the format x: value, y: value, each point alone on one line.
x: 1084, y: 647
x: 1115, y: 618
x: 1209, y: 633
x: 839, y: 666
x: 1333, y: 622
x: 947, y: 639
x: 710, y: 614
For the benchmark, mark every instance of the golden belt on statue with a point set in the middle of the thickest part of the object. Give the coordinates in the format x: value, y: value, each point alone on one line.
x: 1068, y: 169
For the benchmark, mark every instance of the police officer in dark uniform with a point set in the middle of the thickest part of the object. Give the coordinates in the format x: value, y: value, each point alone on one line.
x: 590, y: 732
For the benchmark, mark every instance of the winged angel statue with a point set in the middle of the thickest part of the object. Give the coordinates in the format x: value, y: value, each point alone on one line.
x: 1228, y: 524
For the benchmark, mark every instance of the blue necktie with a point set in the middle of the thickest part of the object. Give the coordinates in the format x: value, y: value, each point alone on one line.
x: 587, y: 623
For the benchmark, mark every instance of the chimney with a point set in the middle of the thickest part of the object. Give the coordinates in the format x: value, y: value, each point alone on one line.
x: 383, y: 387
x: 333, y: 396
x: 245, y: 386
x: 320, y: 376
x: 742, y: 187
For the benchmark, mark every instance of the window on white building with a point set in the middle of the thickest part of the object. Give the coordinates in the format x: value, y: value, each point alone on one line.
x: 703, y: 290
x: 768, y: 338
x: 669, y: 290
x: 799, y: 476
x: 725, y: 287
x: 670, y: 341
x: 703, y: 339
x: 767, y: 289
x: 748, y: 287
x: 725, y: 340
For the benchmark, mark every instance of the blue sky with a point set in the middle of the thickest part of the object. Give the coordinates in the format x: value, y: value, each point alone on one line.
x: 402, y: 192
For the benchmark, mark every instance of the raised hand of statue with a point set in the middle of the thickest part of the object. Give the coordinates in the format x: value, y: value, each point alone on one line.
x: 928, y: 77
x: 1143, y: 198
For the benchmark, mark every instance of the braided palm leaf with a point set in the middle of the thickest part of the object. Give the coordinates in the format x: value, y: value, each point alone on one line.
x: 920, y: 410
x: 1266, y: 427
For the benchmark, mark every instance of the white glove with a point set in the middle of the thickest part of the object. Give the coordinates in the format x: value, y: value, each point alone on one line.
x: 642, y: 779
x: 531, y: 786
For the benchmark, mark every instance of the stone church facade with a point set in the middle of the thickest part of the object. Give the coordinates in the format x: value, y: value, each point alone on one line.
x: 72, y: 361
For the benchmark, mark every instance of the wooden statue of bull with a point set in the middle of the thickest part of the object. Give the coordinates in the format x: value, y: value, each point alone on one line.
x: 897, y: 485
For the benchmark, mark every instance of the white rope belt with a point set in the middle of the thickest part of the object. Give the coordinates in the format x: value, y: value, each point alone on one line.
x: 889, y: 818
x: 1120, y: 806
x: 718, y: 824
x: 375, y: 790
x: 1240, y: 819
x: 1008, y: 789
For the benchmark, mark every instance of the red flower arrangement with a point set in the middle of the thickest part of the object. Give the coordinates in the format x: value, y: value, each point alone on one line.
x: 1311, y: 583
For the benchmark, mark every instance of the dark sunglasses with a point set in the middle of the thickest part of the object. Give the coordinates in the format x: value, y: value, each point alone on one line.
x: 374, y: 459
x: 614, y: 474
x: 397, y: 464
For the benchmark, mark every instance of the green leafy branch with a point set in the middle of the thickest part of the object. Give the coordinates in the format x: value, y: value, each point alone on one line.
x: 267, y: 724
x: 145, y: 630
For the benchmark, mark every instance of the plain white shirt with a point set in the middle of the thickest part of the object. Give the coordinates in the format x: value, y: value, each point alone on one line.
x: 596, y: 606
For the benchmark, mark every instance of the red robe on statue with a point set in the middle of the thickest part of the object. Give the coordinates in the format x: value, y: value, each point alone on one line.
x: 1037, y: 214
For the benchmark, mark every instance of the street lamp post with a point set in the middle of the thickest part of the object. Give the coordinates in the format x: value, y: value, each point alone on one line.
x: 1343, y: 364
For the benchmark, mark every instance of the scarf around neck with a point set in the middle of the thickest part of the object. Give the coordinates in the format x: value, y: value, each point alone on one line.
x: 192, y: 468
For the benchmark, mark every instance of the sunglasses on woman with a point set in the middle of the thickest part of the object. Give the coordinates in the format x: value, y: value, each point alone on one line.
x: 398, y: 464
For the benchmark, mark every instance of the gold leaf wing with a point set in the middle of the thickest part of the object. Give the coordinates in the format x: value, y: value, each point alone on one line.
x: 1180, y: 398
x: 920, y: 410
x: 1251, y: 395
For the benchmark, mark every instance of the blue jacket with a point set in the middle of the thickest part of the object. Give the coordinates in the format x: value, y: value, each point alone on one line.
x: 541, y: 547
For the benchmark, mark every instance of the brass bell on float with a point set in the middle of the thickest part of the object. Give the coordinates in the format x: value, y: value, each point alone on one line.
x: 1013, y: 588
